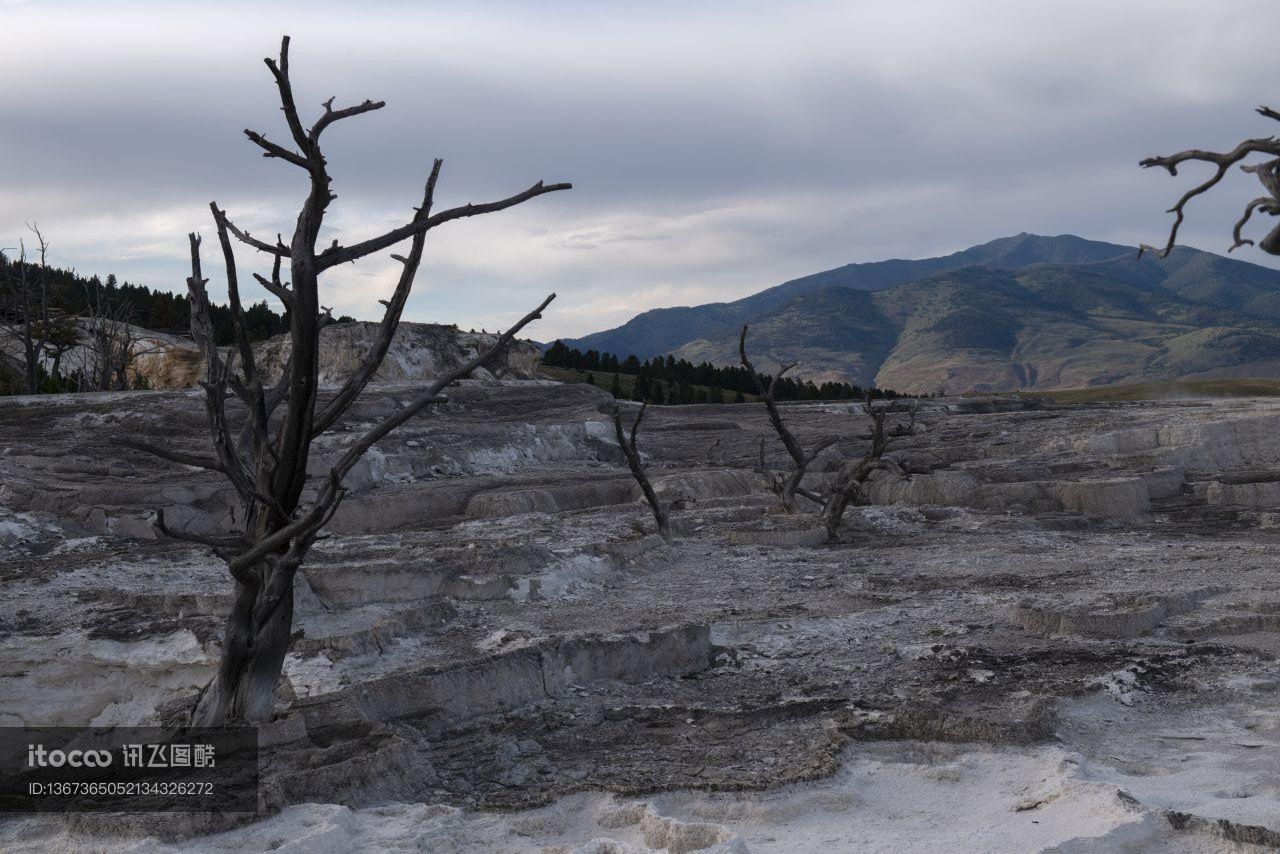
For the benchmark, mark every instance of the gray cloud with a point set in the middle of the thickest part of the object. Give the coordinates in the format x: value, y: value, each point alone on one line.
x: 716, y: 148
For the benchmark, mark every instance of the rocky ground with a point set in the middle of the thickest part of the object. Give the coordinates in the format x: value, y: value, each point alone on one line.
x: 1058, y: 634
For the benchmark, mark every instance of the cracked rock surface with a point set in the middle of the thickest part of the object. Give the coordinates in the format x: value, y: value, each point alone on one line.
x: 1059, y: 633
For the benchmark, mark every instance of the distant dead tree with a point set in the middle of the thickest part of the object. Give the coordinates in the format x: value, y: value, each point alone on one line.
x: 63, y: 338
x: 266, y: 461
x: 628, y: 444
x: 787, y: 488
x: 1267, y: 172
x: 26, y: 317
x: 850, y: 482
x: 715, y: 454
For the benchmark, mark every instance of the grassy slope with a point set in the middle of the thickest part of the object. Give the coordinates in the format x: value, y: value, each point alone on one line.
x: 605, y: 378
x: 1173, y: 390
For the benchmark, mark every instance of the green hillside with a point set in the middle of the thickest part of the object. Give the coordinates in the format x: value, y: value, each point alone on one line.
x: 1025, y: 312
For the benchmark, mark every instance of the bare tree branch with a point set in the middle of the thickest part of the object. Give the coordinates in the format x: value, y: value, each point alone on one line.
x: 215, y: 385
x: 431, y: 394
x: 235, y: 542
x: 281, y: 73
x: 251, y: 390
x: 356, y: 383
x: 169, y: 454
x: 341, y: 254
x: 331, y: 115
x: 1266, y: 203
x: 282, y: 537
x: 271, y: 149
x: 1223, y: 162
x: 275, y: 289
x: 244, y: 237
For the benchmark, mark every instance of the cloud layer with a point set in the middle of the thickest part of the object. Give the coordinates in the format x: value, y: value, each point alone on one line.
x: 716, y: 148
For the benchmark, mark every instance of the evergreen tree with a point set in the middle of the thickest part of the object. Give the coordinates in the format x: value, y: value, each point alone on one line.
x: 557, y: 355
x: 660, y: 379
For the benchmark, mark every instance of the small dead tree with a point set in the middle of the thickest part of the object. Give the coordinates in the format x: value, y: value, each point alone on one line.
x: 628, y: 444
x: 787, y: 489
x: 850, y: 482
x: 25, y: 314
x: 1267, y: 172
x: 266, y: 460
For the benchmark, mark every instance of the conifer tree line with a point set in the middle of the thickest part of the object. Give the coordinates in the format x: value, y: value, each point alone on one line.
x: 671, y: 381
x: 157, y: 310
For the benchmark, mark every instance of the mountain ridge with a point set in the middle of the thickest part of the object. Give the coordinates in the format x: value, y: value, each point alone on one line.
x: 1021, y: 312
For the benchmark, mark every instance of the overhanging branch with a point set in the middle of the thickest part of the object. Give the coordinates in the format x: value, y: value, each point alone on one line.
x: 279, y: 250
x: 335, y: 254
x: 170, y: 454
x: 1222, y: 160
x: 271, y: 149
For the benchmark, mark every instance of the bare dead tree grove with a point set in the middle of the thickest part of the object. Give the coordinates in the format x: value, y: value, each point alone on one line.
x: 787, y: 488
x: 627, y: 441
x: 104, y: 356
x: 265, y: 460
x: 113, y: 348
x: 1267, y: 173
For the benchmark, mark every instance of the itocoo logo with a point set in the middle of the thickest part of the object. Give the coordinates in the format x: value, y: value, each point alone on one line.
x: 38, y: 757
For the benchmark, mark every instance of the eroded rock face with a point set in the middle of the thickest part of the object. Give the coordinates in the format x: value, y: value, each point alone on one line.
x: 418, y: 351
x: 495, y: 623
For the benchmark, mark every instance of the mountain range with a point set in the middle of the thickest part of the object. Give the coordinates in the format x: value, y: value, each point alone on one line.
x: 1021, y: 312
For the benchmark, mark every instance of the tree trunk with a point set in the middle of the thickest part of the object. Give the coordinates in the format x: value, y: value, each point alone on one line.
x: 243, y: 690
x: 833, y: 512
x: 33, y: 373
x: 789, y: 488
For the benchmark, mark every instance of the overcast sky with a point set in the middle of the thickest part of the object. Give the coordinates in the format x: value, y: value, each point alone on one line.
x: 715, y: 148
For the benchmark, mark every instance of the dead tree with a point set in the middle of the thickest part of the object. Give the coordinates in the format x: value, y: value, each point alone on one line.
x: 628, y: 445
x: 850, y: 482
x: 266, y: 460
x: 787, y: 488
x: 27, y: 313
x: 1267, y: 172
x: 64, y: 337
